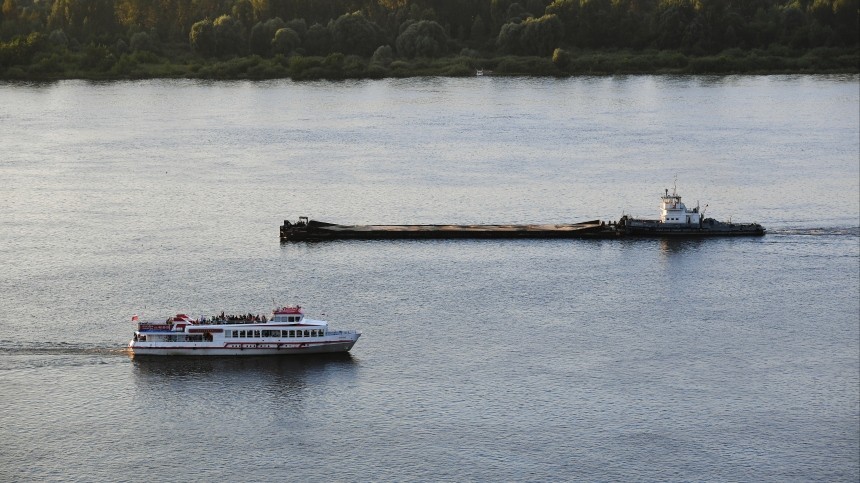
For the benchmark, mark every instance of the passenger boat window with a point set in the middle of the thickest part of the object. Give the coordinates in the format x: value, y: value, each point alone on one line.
x: 298, y: 333
x: 292, y: 333
x: 307, y: 333
x: 256, y: 333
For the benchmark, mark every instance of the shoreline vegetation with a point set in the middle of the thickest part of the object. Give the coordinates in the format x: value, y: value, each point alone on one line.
x: 369, y: 39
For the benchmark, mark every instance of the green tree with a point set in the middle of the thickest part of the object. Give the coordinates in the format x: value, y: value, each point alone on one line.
x: 568, y: 12
x: 422, y: 39
x: 383, y: 56
x: 845, y: 15
x: 595, y: 24
x: 58, y: 37
x: 229, y: 35
x: 509, y: 37
x: 353, y: 33
x: 20, y: 51
x: 541, y: 35
x: 561, y: 58
x: 84, y: 19
x: 260, y: 39
x: 141, y: 41
x: 674, y: 24
x: 243, y: 11
x: 299, y: 26
x: 317, y: 40
x: 478, y: 31
x: 286, y: 40
x: 9, y: 10
x: 202, y: 38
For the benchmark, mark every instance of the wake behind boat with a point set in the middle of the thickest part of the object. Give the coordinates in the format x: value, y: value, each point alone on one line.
x: 288, y: 331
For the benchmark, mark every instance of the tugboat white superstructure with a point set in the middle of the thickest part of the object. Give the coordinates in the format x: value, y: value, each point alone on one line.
x: 288, y: 331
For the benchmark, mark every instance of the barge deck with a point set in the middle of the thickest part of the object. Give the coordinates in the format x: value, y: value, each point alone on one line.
x: 312, y: 230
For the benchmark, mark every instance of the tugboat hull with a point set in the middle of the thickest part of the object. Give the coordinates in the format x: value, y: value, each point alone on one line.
x: 708, y: 228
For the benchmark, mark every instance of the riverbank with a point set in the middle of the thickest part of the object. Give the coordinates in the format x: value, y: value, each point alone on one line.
x: 98, y: 63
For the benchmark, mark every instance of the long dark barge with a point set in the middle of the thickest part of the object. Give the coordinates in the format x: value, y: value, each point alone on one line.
x: 676, y: 221
x: 312, y: 230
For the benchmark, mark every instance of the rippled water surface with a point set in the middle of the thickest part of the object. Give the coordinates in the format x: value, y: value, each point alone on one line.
x: 543, y: 360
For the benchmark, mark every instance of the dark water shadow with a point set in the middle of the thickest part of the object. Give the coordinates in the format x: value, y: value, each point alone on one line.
x: 258, y: 366
x: 675, y: 246
x: 272, y: 382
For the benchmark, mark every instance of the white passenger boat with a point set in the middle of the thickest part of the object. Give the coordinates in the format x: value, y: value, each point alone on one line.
x: 288, y: 331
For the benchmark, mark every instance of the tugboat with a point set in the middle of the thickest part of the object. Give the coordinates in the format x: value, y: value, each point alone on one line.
x: 288, y: 331
x: 678, y: 221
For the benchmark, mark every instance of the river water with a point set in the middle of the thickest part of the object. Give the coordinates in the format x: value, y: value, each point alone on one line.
x: 541, y: 360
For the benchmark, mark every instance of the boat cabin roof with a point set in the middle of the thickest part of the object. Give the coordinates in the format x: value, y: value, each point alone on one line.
x: 288, y: 310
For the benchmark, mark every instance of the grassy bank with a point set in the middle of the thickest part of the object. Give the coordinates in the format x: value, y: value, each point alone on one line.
x: 100, y: 63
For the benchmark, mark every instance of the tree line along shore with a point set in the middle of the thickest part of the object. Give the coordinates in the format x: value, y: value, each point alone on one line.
x: 338, y: 39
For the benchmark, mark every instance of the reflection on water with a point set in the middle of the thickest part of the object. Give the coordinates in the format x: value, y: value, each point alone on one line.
x: 293, y: 365
x: 672, y: 246
x: 276, y: 378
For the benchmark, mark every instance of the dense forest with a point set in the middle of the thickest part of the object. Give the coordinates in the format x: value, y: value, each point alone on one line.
x: 46, y: 39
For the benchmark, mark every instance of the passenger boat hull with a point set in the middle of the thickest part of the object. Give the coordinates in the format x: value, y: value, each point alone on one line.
x: 239, y: 348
